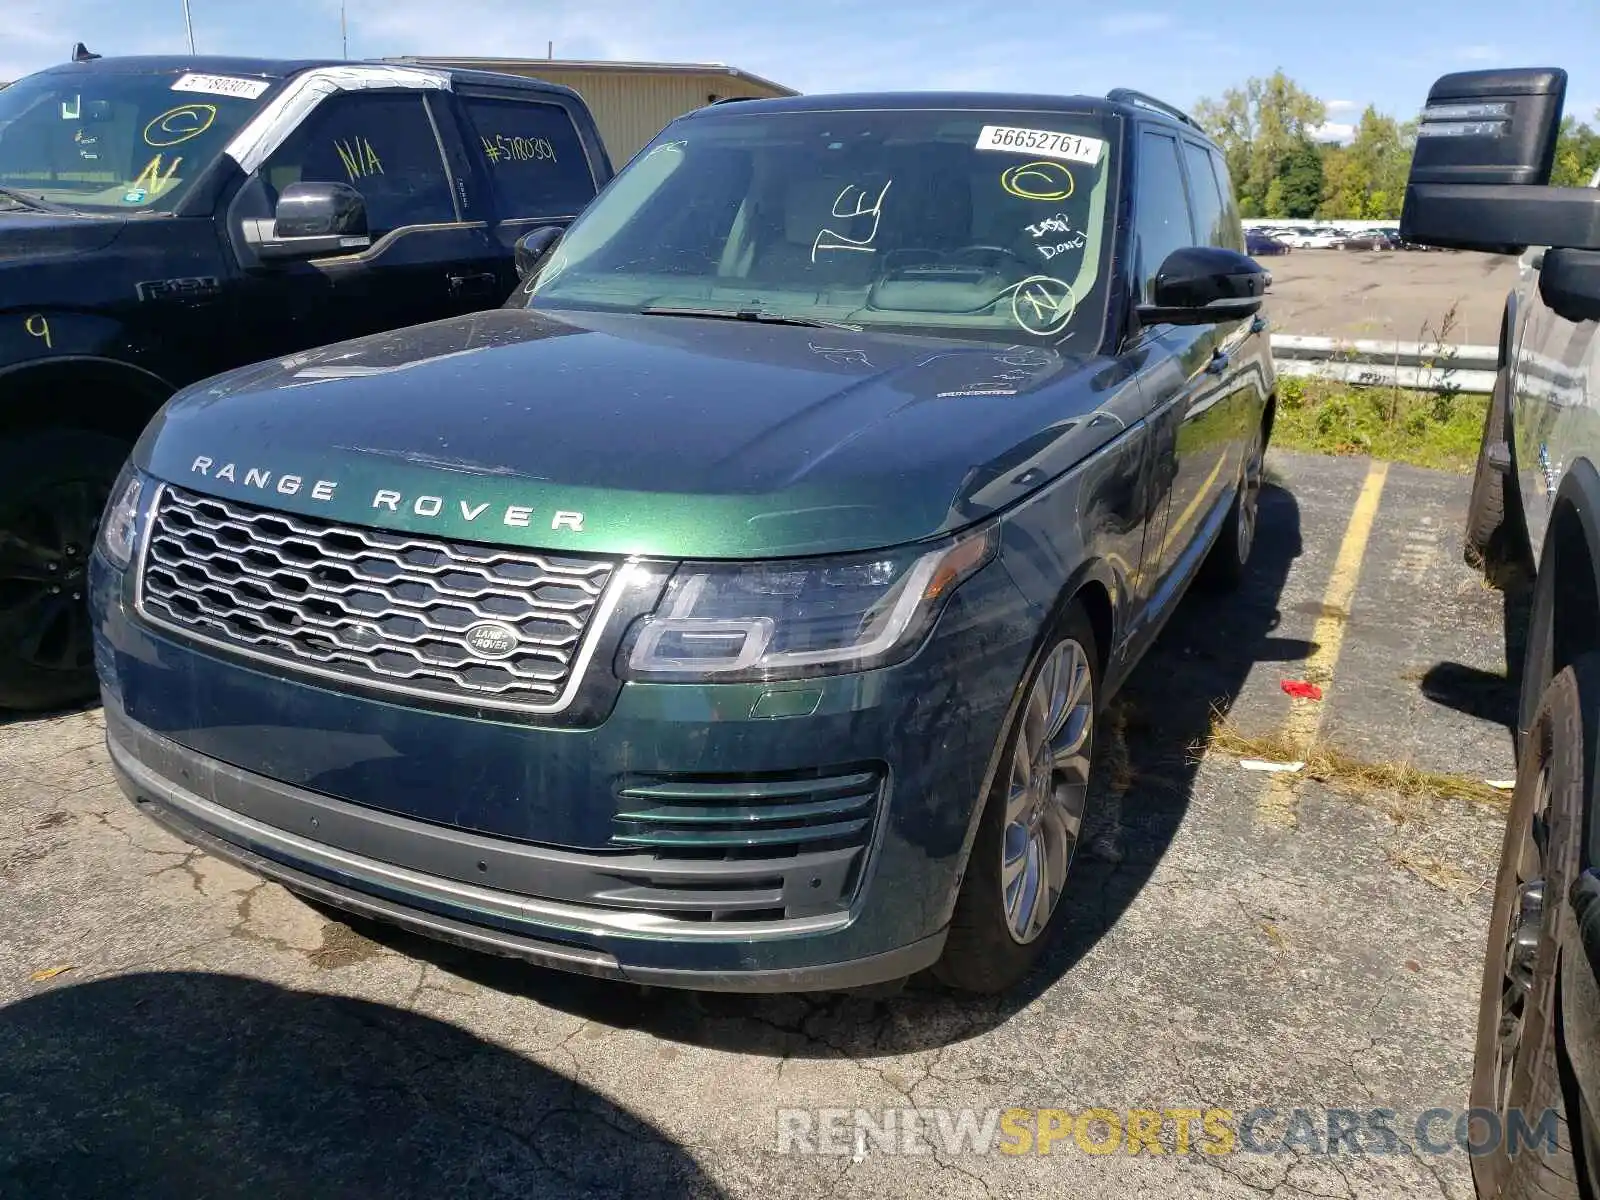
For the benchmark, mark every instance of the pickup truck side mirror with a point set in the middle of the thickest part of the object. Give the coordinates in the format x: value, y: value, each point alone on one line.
x: 1205, y: 285
x: 1569, y: 284
x: 313, y: 219
x: 1481, y: 169
x: 533, y: 246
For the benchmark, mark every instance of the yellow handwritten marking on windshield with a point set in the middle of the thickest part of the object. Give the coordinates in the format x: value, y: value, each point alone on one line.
x: 179, y: 124
x: 152, y: 179
x: 39, y: 327
x: 359, y: 158
x: 1042, y: 304
x: 1038, y: 181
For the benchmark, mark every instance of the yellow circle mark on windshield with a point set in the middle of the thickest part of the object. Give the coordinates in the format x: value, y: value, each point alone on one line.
x: 1038, y: 181
x: 179, y: 124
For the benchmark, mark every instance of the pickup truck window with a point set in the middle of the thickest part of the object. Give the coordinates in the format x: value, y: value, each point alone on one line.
x: 972, y: 224
x: 115, y: 141
x: 533, y: 154
x: 381, y: 144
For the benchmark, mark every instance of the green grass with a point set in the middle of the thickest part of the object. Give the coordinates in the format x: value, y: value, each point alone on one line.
x: 1426, y: 429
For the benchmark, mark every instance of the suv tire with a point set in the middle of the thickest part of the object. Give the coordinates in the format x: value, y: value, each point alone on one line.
x: 982, y: 953
x: 53, y: 490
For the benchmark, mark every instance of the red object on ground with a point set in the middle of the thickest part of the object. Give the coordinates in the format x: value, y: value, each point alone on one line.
x: 1300, y: 689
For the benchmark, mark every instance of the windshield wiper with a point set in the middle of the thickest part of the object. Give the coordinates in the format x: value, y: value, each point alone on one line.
x: 38, y: 203
x: 744, y: 314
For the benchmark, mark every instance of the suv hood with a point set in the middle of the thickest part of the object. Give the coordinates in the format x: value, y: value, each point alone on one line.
x: 26, y: 234
x: 652, y: 435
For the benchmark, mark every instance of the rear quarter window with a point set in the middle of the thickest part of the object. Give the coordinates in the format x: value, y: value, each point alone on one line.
x: 533, y: 154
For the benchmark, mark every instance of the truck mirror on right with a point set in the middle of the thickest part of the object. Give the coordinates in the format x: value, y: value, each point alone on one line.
x: 1481, y: 170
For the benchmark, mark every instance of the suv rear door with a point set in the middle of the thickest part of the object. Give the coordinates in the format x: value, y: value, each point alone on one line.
x: 538, y: 159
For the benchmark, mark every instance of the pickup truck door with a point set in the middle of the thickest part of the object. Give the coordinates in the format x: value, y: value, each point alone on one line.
x: 535, y: 159
x: 427, y: 259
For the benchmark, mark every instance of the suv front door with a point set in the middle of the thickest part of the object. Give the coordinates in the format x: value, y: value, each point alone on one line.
x: 1182, y: 384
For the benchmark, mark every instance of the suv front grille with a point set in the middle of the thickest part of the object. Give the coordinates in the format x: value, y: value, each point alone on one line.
x: 389, y: 610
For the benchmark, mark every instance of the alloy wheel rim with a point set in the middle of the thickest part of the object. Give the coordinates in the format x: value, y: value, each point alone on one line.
x: 1047, y: 790
x: 1521, y: 952
x: 45, y: 540
x: 1250, y: 499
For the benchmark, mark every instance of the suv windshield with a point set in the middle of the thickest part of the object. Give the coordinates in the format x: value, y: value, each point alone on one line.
x: 105, y: 140
x: 976, y: 224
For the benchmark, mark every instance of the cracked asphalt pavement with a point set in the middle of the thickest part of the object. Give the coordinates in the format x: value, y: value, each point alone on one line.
x: 171, y: 1025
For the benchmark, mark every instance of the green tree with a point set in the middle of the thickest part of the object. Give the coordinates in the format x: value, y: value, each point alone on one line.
x: 1345, y: 184
x: 1258, y: 126
x: 1577, y: 154
x: 1299, y: 181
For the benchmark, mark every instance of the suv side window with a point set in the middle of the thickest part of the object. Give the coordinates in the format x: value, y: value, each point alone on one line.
x: 383, y: 145
x: 534, y: 155
x: 1161, y: 210
x: 1204, y: 196
x: 1232, y: 231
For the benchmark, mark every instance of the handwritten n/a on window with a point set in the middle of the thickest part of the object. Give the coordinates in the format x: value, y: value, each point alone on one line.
x: 853, y: 203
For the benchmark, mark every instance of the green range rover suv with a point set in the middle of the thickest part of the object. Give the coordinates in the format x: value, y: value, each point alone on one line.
x: 733, y: 608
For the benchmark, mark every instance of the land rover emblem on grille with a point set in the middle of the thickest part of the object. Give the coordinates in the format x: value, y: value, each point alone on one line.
x: 492, y: 639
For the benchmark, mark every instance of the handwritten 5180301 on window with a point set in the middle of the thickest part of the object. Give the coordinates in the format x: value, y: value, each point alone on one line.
x: 1046, y: 142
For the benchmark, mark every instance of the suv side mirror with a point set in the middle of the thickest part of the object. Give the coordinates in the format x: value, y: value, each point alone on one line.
x: 1205, y: 285
x: 533, y: 246
x: 1479, y: 175
x: 1569, y: 284
x: 316, y: 218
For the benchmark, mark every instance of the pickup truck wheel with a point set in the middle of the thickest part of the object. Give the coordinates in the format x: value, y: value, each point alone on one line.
x: 1487, y: 528
x: 1010, y: 905
x: 1517, y: 1066
x: 53, y: 488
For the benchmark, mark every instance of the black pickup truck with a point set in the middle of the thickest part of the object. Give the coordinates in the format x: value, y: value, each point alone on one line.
x: 164, y: 219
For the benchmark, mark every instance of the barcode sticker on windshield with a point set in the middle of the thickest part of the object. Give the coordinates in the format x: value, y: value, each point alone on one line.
x: 1044, y: 142
x: 221, y: 85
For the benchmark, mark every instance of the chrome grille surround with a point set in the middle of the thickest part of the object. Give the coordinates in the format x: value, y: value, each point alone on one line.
x: 371, y: 607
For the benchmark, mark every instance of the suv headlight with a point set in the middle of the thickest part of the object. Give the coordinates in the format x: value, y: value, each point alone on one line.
x: 119, y: 527
x: 725, y: 622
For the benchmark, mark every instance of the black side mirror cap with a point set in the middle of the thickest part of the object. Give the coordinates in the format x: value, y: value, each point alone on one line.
x: 533, y: 246
x: 1485, y: 148
x: 311, y: 220
x: 1205, y: 285
x: 1569, y: 284
x: 320, y: 210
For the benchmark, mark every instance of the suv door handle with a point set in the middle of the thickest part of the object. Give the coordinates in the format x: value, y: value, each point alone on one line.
x: 480, y: 283
x: 1218, y: 363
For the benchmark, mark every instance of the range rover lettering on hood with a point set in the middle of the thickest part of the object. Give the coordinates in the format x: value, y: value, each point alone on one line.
x: 385, y: 499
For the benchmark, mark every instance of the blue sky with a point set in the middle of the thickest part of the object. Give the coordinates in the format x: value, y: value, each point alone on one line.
x: 1359, y: 51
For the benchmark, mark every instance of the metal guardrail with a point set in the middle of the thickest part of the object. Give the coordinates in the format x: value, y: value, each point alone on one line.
x: 1426, y: 366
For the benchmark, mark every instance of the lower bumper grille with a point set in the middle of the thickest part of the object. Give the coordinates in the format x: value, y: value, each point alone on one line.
x: 746, y: 849
x: 418, y: 615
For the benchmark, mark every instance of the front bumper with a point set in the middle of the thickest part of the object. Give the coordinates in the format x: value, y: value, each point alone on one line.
x: 494, y: 835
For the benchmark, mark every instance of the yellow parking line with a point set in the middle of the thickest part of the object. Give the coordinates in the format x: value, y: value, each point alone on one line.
x: 1276, y: 805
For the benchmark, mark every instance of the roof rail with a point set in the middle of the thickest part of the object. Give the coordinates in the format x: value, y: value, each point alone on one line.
x: 1142, y: 100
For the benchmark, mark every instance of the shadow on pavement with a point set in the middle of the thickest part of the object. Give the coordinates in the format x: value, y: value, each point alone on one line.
x: 191, y: 1084
x: 1487, y: 695
x: 1195, y: 670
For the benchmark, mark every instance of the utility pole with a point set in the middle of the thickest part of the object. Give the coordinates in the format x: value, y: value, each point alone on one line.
x: 188, y: 24
x: 344, y: 33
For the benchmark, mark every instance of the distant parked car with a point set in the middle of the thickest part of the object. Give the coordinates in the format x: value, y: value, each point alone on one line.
x: 1373, y: 239
x: 1258, y: 242
x: 1309, y: 238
